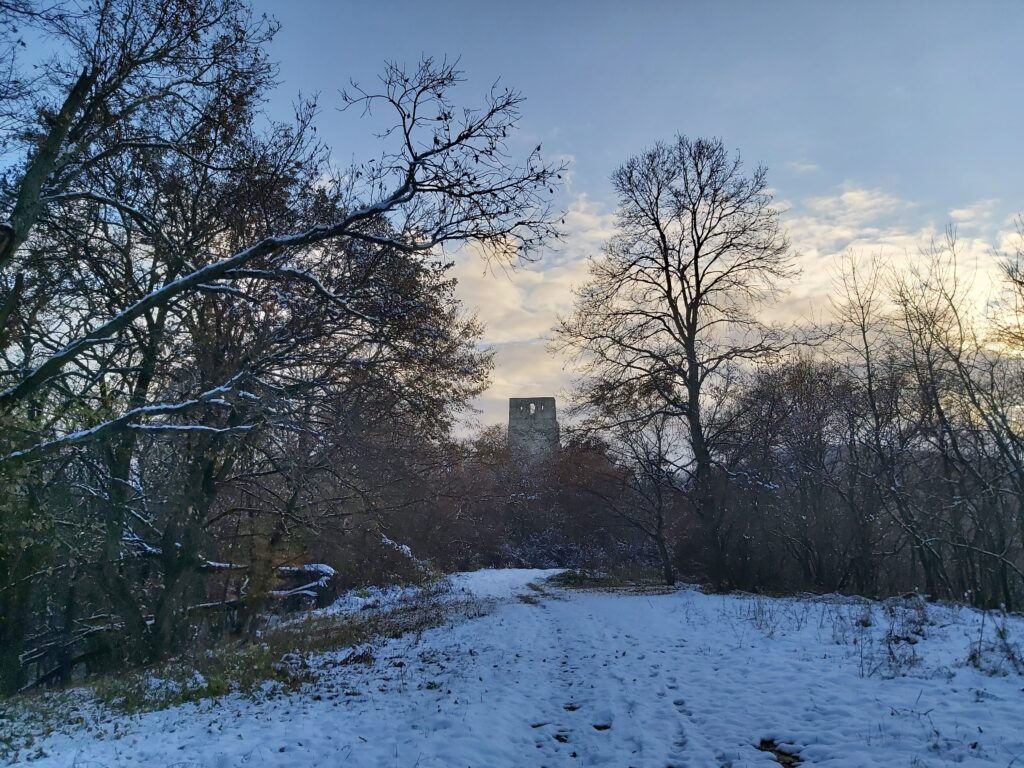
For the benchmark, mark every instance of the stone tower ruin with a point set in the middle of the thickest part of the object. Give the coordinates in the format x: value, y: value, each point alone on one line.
x: 532, y: 425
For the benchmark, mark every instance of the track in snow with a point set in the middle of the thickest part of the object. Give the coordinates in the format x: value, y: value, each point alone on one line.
x: 589, y: 679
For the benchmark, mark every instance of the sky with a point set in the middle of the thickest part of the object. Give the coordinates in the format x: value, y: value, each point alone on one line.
x: 880, y: 124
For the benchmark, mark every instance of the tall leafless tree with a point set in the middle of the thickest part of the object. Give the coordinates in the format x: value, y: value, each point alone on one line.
x: 671, y: 306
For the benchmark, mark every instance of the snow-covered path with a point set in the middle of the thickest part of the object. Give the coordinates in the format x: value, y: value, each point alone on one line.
x: 585, y: 678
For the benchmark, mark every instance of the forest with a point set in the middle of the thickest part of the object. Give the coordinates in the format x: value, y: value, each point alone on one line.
x: 234, y: 376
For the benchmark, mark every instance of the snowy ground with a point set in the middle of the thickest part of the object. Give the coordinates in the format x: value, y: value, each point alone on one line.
x: 589, y: 678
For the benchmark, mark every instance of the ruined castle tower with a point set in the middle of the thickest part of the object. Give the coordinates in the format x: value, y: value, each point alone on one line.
x: 532, y: 426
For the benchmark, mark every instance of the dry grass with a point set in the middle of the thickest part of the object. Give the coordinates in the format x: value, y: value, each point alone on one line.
x: 284, y: 659
x: 782, y: 757
x: 281, y: 656
x: 628, y: 580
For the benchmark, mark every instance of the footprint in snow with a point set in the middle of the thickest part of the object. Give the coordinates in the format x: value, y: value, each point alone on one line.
x: 680, y: 706
x: 678, y: 757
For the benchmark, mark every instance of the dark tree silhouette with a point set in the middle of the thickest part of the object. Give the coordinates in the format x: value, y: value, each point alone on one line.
x: 670, y: 309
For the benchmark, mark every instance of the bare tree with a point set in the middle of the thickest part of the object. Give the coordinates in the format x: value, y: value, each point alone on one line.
x: 649, y: 499
x: 670, y: 309
x: 795, y: 482
x: 173, y: 282
x: 447, y: 178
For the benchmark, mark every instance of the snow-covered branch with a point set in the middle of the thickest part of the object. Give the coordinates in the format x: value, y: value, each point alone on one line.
x: 129, y: 420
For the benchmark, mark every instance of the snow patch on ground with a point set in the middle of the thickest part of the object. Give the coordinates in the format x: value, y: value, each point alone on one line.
x: 485, y: 584
x: 498, y: 583
x: 371, y: 598
x: 590, y: 679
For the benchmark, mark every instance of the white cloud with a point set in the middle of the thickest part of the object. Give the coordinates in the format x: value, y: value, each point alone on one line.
x: 1010, y: 241
x: 856, y: 206
x: 800, y: 167
x: 523, y: 369
x: 519, y: 304
x: 876, y: 223
x: 974, y: 214
x: 520, y: 307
